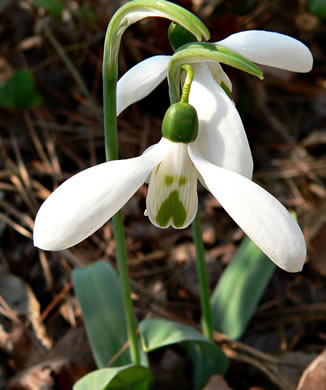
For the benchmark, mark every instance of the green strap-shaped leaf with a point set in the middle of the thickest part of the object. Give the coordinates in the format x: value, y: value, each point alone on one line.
x: 200, y: 52
x: 129, y: 377
x: 240, y: 288
x: 159, y: 332
x: 99, y: 293
x: 207, y: 357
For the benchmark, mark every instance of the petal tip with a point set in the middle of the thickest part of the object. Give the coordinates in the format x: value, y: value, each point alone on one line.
x: 293, y: 267
x: 44, y: 240
x: 295, y: 261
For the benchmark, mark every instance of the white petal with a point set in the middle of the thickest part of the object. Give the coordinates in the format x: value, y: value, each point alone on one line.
x: 141, y: 80
x: 222, y: 138
x: 272, y: 49
x: 262, y: 217
x: 172, y: 191
x: 83, y: 203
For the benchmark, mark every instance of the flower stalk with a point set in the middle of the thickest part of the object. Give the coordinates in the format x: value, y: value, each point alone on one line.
x: 207, y: 321
x: 122, y: 260
x: 111, y: 153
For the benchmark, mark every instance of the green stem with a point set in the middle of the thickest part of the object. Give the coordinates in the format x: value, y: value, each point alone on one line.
x: 203, y: 281
x: 109, y: 106
x: 111, y: 151
x: 122, y: 259
x: 110, y: 76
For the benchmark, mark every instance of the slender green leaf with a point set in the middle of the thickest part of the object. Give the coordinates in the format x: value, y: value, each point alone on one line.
x: 318, y: 8
x: 54, y: 7
x: 120, y: 378
x: 19, y: 91
x: 240, y: 288
x: 207, y: 357
x: 98, y: 291
x: 159, y: 332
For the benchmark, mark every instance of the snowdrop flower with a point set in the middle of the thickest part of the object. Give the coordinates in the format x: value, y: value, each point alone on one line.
x: 83, y: 203
x: 217, y: 153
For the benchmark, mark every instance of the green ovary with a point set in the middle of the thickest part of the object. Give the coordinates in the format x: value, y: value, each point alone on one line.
x: 173, y: 208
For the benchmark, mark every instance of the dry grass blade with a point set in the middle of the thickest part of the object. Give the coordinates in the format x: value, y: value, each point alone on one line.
x: 46, y: 269
x: 266, y: 363
x: 37, y: 143
x: 56, y: 300
x: 23, y: 218
x: 74, y: 73
x: 6, y: 311
x: 20, y: 229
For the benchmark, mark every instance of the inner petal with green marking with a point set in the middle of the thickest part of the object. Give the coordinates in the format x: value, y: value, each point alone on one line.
x: 221, y: 77
x: 172, y: 191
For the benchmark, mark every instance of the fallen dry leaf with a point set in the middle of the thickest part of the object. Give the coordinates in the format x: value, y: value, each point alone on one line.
x: 18, y: 299
x: 314, y: 376
x: 69, y: 360
x: 292, y: 364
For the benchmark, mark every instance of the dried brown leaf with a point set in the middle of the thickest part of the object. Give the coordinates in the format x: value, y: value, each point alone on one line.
x: 314, y: 377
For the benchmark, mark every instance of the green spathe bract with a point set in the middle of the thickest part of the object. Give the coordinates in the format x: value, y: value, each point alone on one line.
x: 180, y: 123
x: 179, y: 36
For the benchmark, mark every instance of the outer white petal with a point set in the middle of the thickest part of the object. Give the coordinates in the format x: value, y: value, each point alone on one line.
x: 272, y: 49
x: 258, y: 213
x: 141, y: 80
x: 83, y: 203
x: 222, y: 138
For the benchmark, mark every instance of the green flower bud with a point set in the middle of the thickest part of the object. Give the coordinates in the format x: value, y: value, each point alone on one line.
x: 179, y: 36
x: 180, y: 123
